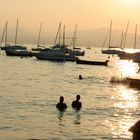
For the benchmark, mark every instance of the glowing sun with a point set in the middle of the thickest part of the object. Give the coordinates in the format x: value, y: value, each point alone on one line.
x: 131, y: 2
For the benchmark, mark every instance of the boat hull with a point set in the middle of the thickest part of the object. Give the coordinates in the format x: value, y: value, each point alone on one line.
x: 13, y: 52
x: 134, y: 83
x: 110, y: 51
x: 13, y: 47
x: 85, y: 62
x: 55, y: 56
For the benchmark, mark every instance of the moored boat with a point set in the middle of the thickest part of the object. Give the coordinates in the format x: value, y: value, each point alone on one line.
x: 18, y: 52
x: 133, y: 82
x: 12, y: 47
x: 55, y: 55
x: 76, y: 50
x: 113, y: 49
x: 86, y: 62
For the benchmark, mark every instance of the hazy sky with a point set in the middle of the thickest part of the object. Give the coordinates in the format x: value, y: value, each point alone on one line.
x: 88, y: 14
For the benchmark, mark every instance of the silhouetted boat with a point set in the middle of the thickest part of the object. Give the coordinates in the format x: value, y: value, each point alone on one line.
x: 75, y: 50
x: 133, y: 82
x: 86, y: 62
x: 9, y: 46
x: 135, y: 56
x: 111, y: 49
x: 58, y: 52
x: 18, y: 52
x: 125, y: 55
x: 55, y: 55
x: 39, y: 47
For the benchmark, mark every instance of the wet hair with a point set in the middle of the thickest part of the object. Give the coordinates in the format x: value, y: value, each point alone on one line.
x: 61, y: 99
x: 76, y: 104
x: 80, y: 77
x: 61, y: 106
x: 78, y: 97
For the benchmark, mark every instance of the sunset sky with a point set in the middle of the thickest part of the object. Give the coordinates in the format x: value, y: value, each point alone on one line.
x: 88, y: 14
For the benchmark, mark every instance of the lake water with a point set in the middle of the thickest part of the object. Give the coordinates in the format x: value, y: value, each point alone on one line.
x: 30, y: 90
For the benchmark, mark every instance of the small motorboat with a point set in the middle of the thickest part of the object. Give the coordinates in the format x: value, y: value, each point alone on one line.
x: 86, y: 62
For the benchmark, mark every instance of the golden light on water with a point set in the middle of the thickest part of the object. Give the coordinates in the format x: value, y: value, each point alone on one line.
x: 127, y: 98
x: 123, y: 125
x: 127, y: 68
x: 126, y: 102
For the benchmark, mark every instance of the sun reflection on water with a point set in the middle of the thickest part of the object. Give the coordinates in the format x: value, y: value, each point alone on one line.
x: 125, y: 104
x: 127, y: 68
x: 122, y: 129
x: 127, y: 98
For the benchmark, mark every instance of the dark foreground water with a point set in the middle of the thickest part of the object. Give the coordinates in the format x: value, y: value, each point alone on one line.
x: 30, y: 89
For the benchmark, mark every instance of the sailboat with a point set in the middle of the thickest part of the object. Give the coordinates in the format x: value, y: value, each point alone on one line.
x: 135, y: 56
x: 58, y: 51
x: 57, y: 41
x: 4, y: 34
x: 111, y: 49
x: 7, y: 45
x: 16, y: 50
x: 76, y: 51
x: 39, y: 47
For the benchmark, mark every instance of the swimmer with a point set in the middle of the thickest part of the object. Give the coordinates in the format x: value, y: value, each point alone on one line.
x: 61, y: 105
x: 76, y: 104
x: 80, y: 77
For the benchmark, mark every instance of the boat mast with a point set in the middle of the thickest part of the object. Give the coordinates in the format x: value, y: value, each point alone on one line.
x: 16, y: 33
x: 74, y: 36
x: 110, y: 34
x: 121, y: 39
x: 64, y: 35
x: 105, y: 39
x: 6, y: 33
x: 135, y: 39
x: 125, y: 35
x: 38, y: 42
x: 58, y: 33
x: 3, y: 34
